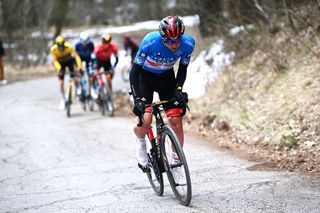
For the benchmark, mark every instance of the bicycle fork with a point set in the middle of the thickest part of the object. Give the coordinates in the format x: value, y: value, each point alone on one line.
x: 155, y: 149
x: 69, y: 92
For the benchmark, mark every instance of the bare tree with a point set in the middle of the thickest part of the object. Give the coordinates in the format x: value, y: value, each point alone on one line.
x: 58, y: 15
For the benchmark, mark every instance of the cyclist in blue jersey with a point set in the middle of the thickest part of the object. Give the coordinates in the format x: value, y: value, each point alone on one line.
x: 84, y: 47
x: 152, y: 71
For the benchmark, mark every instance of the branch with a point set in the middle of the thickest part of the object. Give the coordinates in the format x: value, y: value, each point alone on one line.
x: 258, y: 6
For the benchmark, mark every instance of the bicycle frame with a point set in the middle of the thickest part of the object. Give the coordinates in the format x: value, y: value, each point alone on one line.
x: 156, y: 112
x: 159, y: 154
x: 105, y: 93
x: 70, y: 89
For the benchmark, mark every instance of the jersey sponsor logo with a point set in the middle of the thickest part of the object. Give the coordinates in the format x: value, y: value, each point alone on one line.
x: 160, y: 63
x: 189, y: 43
x: 143, y: 55
x: 139, y: 60
x: 148, y: 44
x: 160, y: 60
x: 64, y: 58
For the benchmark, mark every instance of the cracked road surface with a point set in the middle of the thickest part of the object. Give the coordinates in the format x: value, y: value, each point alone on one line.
x: 50, y: 163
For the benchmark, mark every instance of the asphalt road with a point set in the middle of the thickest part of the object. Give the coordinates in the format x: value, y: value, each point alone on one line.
x: 49, y: 163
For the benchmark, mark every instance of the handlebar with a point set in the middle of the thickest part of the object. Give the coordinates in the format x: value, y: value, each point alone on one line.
x: 158, y: 103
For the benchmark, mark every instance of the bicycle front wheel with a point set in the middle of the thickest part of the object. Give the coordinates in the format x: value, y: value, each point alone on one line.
x: 69, y: 100
x: 109, y: 101
x: 153, y: 173
x: 177, y: 170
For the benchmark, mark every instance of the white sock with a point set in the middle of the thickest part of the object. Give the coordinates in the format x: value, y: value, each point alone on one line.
x: 141, y: 141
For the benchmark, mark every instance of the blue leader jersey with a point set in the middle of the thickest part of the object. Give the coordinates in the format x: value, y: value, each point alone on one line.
x: 84, y: 51
x: 154, y: 57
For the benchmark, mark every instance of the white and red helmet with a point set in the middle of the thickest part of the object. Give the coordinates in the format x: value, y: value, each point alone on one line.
x: 171, y: 27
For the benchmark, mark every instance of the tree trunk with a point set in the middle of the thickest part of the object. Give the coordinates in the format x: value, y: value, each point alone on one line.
x: 58, y: 15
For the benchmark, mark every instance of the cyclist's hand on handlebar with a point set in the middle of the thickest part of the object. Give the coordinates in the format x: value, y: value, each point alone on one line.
x: 181, y: 95
x: 139, y: 107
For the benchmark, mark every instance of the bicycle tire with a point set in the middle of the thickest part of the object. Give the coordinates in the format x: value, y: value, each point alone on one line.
x: 83, y: 97
x: 102, y: 106
x: 90, y: 103
x: 83, y: 103
x: 108, y: 101
x: 68, y: 109
x: 169, y: 140
x: 101, y: 101
x: 154, y: 174
x: 125, y: 73
x: 69, y: 100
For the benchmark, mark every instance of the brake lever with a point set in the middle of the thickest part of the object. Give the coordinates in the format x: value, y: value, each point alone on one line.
x: 141, y: 121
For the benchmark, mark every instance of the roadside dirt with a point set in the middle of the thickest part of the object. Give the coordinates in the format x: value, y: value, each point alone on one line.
x: 268, y: 157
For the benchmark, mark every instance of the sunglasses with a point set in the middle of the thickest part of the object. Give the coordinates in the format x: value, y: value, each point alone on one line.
x: 172, y: 41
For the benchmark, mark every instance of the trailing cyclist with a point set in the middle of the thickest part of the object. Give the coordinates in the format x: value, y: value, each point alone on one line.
x: 84, y: 47
x: 130, y: 45
x: 65, y: 56
x: 153, y: 71
x: 102, y: 56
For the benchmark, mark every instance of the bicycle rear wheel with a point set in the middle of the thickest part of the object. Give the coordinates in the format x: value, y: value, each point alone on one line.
x: 125, y: 73
x: 90, y: 103
x: 102, y: 106
x: 181, y: 187
x: 153, y: 173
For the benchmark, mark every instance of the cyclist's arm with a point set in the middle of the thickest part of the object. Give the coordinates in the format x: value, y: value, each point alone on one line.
x: 181, y: 75
x: 126, y: 46
x: 184, y: 62
x: 57, y: 65
x: 134, y: 79
x: 117, y: 60
x: 115, y: 54
x: 78, y: 59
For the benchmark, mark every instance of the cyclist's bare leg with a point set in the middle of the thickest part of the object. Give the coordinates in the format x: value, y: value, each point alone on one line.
x: 109, y: 80
x: 141, y: 132
x: 177, y: 126
x: 61, y: 86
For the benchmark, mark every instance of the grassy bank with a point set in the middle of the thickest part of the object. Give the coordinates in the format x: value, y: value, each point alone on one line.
x: 270, y: 99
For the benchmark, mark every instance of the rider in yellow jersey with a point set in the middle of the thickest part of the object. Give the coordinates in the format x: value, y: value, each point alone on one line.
x: 65, y: 56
